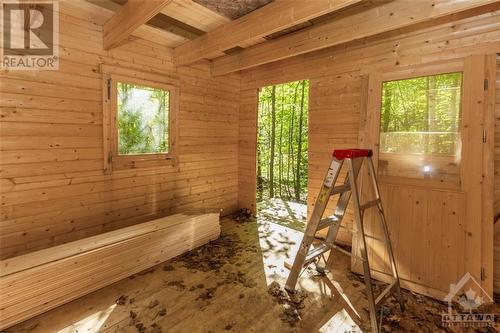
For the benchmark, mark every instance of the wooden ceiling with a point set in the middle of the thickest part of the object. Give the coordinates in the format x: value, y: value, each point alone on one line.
x: 184, y: 20
x: 233, y: 9
x: 189, y: 19
x: 240, y: 34
x: 179, y: 21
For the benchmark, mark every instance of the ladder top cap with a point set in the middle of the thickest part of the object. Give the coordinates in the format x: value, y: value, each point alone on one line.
x: 341, y: 154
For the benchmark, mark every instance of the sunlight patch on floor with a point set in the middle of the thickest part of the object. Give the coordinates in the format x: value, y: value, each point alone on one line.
x: 340, y: 322
x: 90, y: 324
x: 281, y: 225
x: 286, y: 213
x: 277, y: 243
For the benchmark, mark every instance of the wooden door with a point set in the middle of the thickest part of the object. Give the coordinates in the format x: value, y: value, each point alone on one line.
x: 440, y: 215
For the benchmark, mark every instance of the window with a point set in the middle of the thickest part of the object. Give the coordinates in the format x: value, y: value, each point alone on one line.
x: 420, y: 127
x: 141, y: 116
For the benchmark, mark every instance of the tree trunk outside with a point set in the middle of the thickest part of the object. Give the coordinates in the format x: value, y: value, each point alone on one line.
x: 273, y: 142
x: 299, y: 146
x: 280, y: 163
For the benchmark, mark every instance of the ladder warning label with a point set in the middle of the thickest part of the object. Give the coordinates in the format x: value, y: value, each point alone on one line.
x: 330, y: 175
x: 323, y: 195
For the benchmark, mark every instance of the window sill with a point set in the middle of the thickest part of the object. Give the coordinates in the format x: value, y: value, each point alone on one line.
x: 427, y: 183
x: 142, y: 161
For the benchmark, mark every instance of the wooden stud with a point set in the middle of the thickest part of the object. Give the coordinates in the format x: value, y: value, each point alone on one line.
x: 352, y: 26
x: 131, y: 16
x: 276, y: 16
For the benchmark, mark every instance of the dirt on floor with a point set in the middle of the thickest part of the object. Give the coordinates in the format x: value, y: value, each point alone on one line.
x: 243, y: 215
x: 422, y: 314
x: 214, y: 255
x: 235, y: 284
x: 292, y: 303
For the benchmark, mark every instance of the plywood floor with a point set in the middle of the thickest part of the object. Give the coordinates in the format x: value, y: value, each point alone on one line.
x: 223, y: 288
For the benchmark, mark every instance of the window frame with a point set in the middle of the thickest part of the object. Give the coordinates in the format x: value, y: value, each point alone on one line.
x: 373, y: 114
x: 113, y: 161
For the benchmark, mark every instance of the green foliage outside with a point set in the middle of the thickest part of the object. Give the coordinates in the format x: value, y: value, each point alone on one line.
x: 142, y: 119
x: 282, y: 141
x: 421, y: 115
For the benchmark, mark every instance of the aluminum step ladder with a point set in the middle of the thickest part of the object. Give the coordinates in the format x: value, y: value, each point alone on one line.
x: 308, y: 254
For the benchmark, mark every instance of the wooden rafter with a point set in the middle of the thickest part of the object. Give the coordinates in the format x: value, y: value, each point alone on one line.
x: 131, y: 16
x: 164, y: 22
x: 269, y: 19
x: 160, y: 21
x: 354, y: 25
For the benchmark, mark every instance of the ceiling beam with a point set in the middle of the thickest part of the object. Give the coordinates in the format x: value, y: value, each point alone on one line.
x: 160, y: 21
x: 276, y: 16
x: 165, y: 22
x: 352, y: 26
x: 130, y: 17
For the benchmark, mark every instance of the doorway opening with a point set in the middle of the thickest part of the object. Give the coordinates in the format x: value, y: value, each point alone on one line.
x: 282, y: 148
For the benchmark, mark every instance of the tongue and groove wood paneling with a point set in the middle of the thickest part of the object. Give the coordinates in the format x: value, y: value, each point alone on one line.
x: 336, y: 97
x: 247, y: 149
x: 496, y: 254
x: 42, y: 280
x: 53, y: 189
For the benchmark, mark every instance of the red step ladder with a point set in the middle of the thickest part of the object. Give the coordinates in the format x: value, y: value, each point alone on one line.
x: 308, y: 254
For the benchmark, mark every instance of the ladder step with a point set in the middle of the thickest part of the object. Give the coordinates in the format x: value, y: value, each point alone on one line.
x: 328, y: 222
x: 386, y: 293
x: 369, y: 204
x: 350, y: 254
x: 316, y: 252
x: 311, y: 255
x: 341, y: 189
x: 338, y: 248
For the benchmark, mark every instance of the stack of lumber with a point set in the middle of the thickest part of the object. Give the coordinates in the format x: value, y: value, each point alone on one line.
x: 39, y: 281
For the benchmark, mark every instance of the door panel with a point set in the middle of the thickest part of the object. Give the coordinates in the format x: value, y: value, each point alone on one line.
x: 436, y: 227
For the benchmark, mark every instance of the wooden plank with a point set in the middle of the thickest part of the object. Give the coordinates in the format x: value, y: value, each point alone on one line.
x: 496, y: 226
x: 195, y: 15
x: 247, y: 149
x: 472, y: 161
x: 130, y: 17
x: 36, y: 283
x: 276, y: 16
x: 38, y: 258
x: 160, y: 21
x: 353, y: 25
x: 488, y: 195
x: 63, y: 232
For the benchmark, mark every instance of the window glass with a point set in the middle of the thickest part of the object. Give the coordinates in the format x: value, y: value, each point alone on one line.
x: 420, y: 127
x: 143, y: 114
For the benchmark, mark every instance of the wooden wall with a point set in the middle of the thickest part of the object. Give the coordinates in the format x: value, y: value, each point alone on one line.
x: 247, y: 174
x: 337, y: 75
x: 53, y: 189
x: 496, y: 255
